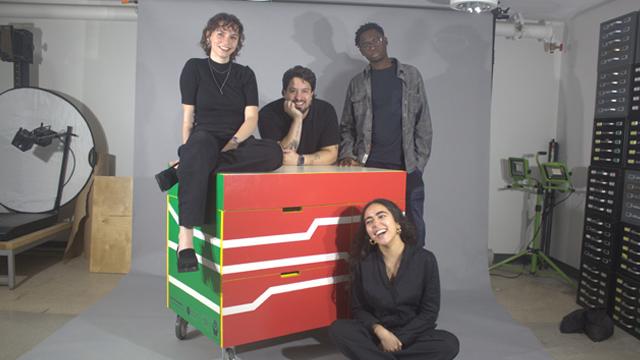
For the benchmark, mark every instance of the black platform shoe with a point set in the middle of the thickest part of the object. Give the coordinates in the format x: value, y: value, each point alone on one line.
x: 187, y: 260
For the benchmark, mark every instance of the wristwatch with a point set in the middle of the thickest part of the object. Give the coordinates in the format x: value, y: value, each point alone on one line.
x: 235, y: 140
x: 300, y: 160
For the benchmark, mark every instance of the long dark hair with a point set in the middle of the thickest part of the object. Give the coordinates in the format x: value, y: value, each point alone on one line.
x: 222, y: 20
x: 360, y: 246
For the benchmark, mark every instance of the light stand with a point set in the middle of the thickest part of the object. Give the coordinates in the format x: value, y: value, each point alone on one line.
x: 555, y: 177
x: 63, y: 169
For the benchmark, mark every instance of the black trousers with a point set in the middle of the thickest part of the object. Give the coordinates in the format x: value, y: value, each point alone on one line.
x: 414, y: 199
x: 358, y: 343
x: 200, y: 157
x: 415, y: 205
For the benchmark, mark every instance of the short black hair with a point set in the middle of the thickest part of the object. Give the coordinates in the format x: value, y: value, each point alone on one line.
x: 301, y: 72
x: 367, y: 27
x: 222, y: 20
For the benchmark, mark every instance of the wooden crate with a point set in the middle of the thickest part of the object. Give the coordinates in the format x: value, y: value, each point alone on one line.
x: 108, y: 227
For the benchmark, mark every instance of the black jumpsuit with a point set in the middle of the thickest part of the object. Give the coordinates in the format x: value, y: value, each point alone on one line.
x: 407, y: 306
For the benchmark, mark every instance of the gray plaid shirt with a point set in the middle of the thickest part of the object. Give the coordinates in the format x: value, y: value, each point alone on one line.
x: 357, y: 118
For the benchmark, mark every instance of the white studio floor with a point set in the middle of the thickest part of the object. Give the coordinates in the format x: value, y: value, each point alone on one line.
x: 39, y: 320
x: 132, y: 323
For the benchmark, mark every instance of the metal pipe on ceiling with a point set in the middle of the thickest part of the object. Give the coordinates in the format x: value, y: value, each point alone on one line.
x: 70, y: 10
x: 417, y: 4
x: 538, y: 31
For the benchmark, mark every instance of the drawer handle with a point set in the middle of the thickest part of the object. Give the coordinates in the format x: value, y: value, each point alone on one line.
x: 626, y: 315
x: 589, y: 305
x: 616, y: 317
x: 289, y: 274
x: 587, y: 295
x: 632, y: 288
x: 626, y: 267
x: 627, y: 306
x: 292, y: 209
x: 588, y: 287
x: 630, y: 297
x: 626, y: 257
x: 589, y: 278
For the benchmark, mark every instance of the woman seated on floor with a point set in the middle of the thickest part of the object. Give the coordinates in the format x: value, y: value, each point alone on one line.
x: 395, y: 293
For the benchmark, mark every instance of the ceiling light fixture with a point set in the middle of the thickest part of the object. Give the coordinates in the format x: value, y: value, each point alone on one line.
x: 474, y: 6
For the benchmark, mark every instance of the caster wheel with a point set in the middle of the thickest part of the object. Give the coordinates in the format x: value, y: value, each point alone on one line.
x: 181, y: 328
x: 229, y: 354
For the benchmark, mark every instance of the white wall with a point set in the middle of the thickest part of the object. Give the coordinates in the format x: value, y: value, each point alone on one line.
x: 575, y: 115
x: 94, y: 62
x: 523, y: 120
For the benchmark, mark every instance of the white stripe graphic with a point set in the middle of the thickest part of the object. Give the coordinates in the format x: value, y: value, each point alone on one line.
x: 267, y: 264
x: 279, y: 289
x: 270, y: 264
x: 194, y: 294
x: 197, y: 233
x: 274, y: 290
x: 271, y: 239
x: 173, y: 213
x: 204, y: 261
x: 284, y: 238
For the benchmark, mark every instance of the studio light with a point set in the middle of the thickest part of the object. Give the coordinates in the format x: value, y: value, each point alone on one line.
x: 23, y: 140
x: 474, y: 6
x: 41, y: 136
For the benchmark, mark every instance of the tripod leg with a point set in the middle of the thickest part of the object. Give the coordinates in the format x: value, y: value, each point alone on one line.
x: 504, y: 262
x: 534, y: 263
x: 546, y: 259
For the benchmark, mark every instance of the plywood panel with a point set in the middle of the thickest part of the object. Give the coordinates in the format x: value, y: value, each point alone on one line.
x: 110, y: 244
x: 111, y: 195
x: 108, y: 238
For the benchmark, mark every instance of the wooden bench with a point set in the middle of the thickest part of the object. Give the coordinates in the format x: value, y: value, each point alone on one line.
x: 13, y: 247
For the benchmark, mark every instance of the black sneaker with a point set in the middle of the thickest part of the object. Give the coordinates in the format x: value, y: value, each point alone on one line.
x: 187, y: 261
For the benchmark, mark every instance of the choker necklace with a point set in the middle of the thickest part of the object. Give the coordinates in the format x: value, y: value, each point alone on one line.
x: 218, y: 71
x: 211, y: 69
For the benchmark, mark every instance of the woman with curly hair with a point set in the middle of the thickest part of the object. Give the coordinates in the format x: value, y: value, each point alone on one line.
x: 219, y: 114
x: 395, y: 293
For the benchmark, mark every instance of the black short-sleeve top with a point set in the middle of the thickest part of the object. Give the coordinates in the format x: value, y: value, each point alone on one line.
x: 220, y: 103
x: 319, y: 128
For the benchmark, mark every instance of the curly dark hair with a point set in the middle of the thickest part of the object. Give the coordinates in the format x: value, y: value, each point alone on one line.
x: 225, y: 21
x: 367, y: 27
x: 360, y: 246
x: 301, y: 72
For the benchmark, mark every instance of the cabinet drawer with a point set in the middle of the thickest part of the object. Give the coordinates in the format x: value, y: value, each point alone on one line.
x: 261, y: 235
x: 289, y: 187
x: 283, y: 302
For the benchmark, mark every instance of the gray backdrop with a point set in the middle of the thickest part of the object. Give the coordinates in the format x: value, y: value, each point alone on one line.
x: 452, y: 50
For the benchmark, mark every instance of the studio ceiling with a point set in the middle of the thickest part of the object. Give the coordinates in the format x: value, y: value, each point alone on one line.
x: 558, y: 10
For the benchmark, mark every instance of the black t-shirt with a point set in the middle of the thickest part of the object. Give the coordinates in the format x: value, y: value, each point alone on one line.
x: 221, y: 113
x: 386, y: 99
x: 319, y: 128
